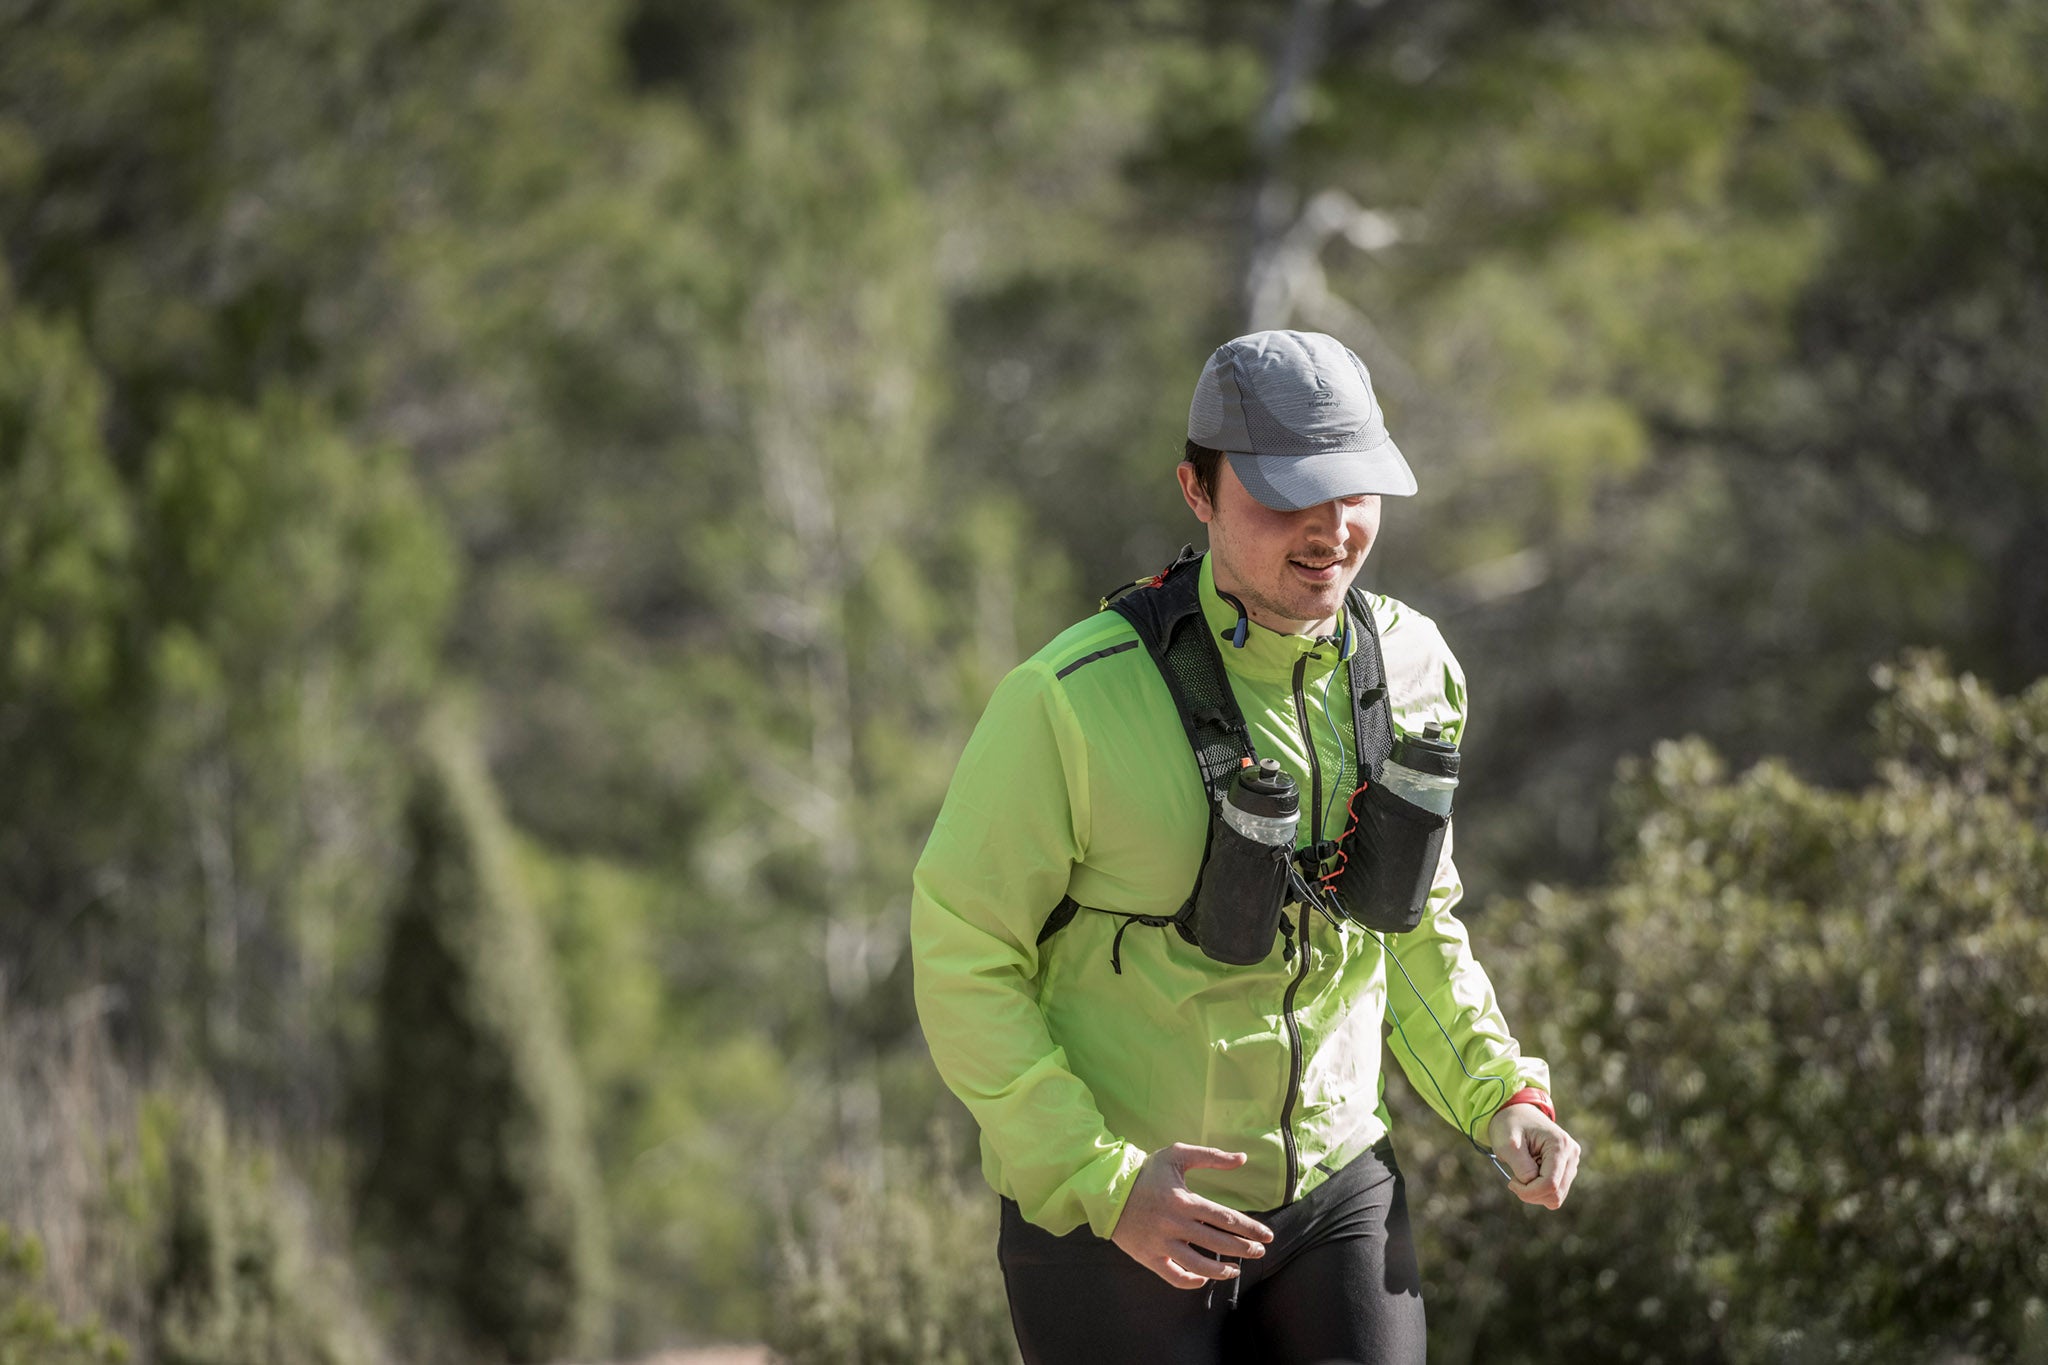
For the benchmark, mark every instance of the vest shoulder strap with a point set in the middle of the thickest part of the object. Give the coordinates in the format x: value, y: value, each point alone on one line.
x: 1372, y: 721
x: 1167, y: 614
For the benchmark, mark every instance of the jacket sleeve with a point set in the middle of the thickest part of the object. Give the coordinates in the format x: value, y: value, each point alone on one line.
x: 1438, y: 995
x: 1014, y: 823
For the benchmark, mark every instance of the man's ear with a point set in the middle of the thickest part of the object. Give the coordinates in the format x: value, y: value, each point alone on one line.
x: 1191, y: 489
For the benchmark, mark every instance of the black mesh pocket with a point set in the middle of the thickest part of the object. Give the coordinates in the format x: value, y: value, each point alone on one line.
x: 1390, y: 861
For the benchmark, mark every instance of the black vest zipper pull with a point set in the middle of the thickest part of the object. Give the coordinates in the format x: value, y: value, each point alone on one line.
x: 1287, y: 935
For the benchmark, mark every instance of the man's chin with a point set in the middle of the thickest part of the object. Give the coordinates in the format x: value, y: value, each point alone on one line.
x: 1317, y: 605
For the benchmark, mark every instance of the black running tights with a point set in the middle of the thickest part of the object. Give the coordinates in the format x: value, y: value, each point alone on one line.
x: 1338, y: 1283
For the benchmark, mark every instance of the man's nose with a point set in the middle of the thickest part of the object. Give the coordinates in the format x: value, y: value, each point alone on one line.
x: 1326, y: 522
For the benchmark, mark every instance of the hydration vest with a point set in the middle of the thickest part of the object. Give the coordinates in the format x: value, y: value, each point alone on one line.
x: 1166, y: 612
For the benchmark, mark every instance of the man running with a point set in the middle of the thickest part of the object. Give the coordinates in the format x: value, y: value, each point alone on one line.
x: 1193, y: 1156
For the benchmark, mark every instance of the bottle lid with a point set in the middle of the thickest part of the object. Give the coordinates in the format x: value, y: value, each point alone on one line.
x: 1265, y: 790
x: 1428, y: 752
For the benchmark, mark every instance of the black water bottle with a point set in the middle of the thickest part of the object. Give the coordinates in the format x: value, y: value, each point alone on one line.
x: 1244, y: 881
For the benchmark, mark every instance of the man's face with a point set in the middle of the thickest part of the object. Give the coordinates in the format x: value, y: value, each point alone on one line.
x: 1291, y: 569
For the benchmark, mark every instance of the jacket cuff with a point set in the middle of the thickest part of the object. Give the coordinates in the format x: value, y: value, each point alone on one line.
x: 1106, y: 1184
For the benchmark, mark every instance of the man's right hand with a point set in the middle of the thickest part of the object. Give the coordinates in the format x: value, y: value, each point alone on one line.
x: 1178, y: 1235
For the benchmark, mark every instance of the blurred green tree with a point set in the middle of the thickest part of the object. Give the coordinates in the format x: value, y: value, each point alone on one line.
x: 479, y: 1179
x: 1700, y: 320
x: 296, y: 587
x: 67, y: 667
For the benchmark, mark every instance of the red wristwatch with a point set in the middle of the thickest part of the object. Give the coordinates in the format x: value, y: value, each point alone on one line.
x: 1529, y: 1094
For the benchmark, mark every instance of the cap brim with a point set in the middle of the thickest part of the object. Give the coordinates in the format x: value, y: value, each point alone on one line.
x: 1288, y: 483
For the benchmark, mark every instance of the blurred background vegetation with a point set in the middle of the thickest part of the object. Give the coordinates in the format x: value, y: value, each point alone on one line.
x: 508, y: 510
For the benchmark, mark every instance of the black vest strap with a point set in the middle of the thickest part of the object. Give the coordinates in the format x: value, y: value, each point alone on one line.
x: 1168, y: 618
x: 1062, y: 915
x: 1372, y: 721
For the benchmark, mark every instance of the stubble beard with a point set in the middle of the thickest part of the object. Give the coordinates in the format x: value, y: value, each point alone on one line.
x: 1308, y: 605
x: 1309, y: 608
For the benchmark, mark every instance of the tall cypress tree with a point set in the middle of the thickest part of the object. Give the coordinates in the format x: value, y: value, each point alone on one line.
x: 481, y: 1180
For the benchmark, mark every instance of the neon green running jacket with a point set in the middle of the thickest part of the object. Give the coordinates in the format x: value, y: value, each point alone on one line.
x: 1079, y: 781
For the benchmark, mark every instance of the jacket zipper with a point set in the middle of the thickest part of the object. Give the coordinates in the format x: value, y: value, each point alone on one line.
x: 1295, y: 1061
x: 1294, y: 1053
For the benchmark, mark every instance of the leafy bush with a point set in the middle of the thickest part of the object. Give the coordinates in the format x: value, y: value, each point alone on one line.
x: 1800, y: 1036
x: 195, y: 1246
x: 894, y: 1269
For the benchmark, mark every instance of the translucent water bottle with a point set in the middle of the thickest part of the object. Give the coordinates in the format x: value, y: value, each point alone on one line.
x: 1264, y: 804
x: 1423, y: 770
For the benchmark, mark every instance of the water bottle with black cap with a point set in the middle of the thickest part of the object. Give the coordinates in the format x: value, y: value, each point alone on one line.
x: 1423, y: 770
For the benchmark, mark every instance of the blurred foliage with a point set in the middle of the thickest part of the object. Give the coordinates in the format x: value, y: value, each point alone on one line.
x: 209, y: 677
x: 724, y: 393
x: 1637, y: 300
x: 685, y: 1109
x: 898, y: 1271
x: 32, y: 1332
x: 1800, y: 1036
x: 189, y: 1242
x: 232, y: 1280
x: 478, y: 1178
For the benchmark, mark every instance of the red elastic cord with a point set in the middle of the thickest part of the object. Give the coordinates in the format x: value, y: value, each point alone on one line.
x: 1529, y: 1094
x: 1351, y: 816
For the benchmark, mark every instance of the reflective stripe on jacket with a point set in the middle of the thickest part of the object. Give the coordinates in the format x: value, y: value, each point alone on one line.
x: 1078, y: 781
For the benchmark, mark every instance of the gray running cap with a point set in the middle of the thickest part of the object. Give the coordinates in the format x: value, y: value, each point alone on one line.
x: 1295, y: 413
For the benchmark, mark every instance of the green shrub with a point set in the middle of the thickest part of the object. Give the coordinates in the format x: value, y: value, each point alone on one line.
x: 31, y: 1330
x: 896, y: 1271
x: 481, y: 1183
x: 1800, y: 1036
x: 232, y: 1281
x: 196, y: 1248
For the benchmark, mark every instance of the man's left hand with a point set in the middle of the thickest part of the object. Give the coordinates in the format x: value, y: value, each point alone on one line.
x: 1541, y: 1157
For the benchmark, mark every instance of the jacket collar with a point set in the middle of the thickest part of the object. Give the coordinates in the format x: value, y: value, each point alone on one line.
x: 1267, y: 656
